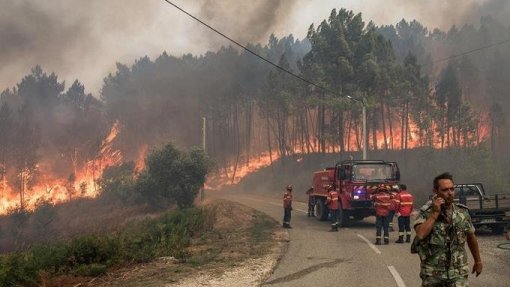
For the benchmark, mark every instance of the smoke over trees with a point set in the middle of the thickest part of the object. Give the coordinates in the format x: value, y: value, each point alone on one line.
x: 252, y: 108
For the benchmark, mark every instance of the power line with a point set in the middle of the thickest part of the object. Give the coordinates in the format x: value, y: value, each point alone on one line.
x: 467, y: 52
x: 308, y: 81
x: 259, y: 56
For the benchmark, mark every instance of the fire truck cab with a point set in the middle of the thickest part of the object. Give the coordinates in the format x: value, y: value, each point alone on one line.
x: 355, y: 181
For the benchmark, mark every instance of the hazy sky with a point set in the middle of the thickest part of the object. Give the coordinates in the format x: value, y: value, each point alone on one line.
x: 84, y: 39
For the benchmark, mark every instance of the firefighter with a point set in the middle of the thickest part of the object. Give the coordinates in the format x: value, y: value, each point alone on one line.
x: 311, y: 202
x: 332, y: 202
x: 287, y: 207
x: 405, y: 207
x: 382, y: 204
x: 393, y: 206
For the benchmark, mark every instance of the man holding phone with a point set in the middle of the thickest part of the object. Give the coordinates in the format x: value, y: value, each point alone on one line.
x: 442, y: 229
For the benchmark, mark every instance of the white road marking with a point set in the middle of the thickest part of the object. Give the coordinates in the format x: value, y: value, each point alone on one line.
x: 398, y: 279
x: 393, y: 271
x: 376, y: 250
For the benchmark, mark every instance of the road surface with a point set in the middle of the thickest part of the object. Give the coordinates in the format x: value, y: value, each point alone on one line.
x: 316, y: 257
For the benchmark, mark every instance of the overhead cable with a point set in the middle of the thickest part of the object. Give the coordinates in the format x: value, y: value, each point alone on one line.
x: 259, y: 56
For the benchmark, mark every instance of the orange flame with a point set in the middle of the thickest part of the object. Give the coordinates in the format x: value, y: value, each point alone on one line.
x: 83, y: 184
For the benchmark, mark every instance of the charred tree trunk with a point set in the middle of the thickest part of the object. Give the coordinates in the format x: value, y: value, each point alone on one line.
x: 341, y: 131
x: 383, y: 124
x: 311, y: 140
x: 374, y: 131
x: 403, y: 127
x: 237, y: 142
x: 249, y: 124
x: 390, y: 124
x: 322, y: 126
x: 408, y: 132
x: 349, y: 126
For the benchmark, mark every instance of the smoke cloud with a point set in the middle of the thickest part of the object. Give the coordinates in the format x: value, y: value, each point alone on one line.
x: 84, y: 39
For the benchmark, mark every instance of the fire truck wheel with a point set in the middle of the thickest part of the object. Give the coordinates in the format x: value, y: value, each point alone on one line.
x: 321, y: 209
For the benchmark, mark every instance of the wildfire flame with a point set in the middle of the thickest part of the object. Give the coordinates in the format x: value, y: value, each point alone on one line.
x: 82, y: 184
x: 84, y: 181
x: 234, y: 173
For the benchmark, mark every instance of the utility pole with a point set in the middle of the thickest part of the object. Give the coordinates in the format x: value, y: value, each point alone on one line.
x: 202, y: 192
x: 203, y: 134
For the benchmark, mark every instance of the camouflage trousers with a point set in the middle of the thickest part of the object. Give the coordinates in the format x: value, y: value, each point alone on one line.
x: 437, y: 282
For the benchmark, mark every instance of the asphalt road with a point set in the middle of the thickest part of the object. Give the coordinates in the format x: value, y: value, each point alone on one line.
x: 316, y: 257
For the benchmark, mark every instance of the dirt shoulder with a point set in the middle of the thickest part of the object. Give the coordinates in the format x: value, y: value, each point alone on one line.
x: 242, y: 249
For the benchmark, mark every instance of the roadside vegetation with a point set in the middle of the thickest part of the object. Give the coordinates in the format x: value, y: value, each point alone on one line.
x: 136, y: 218
x: 92, y: 255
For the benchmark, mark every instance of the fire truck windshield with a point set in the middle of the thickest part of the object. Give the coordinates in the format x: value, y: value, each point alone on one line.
x: 372, y: 172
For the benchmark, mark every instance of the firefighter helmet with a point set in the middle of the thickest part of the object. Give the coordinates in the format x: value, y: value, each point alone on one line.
x: 382, y: 187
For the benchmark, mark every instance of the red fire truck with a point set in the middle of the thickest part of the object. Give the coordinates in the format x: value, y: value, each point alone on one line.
x: 355, y: 180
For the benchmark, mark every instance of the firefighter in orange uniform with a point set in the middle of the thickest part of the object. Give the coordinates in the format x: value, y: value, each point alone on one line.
x: 382, y: 203
x: 405, y: 208
x: 393, y: 205
x: 332, y: 202
x: 287, y: 207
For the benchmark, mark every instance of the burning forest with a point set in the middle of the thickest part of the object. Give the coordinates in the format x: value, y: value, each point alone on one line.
x: 56, y: 143
x: 119, y: 171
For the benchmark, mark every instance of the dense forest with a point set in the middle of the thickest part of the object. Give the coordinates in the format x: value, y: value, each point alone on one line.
x: 420, y: 87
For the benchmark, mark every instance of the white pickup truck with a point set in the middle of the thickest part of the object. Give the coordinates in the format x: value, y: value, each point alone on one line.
x: 492, y: 211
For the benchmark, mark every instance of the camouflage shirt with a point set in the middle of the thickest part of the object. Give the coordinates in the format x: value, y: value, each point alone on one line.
x: 442, y: 253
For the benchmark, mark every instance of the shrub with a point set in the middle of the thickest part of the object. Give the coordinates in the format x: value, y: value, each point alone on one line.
x: 118, y: 180
x: 91, y: 270
x: 17, y: 269
x: 53, y: 258
x: 91, y: 255
x: 173, y: 175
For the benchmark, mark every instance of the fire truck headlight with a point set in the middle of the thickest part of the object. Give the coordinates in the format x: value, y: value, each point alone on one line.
x: 356, y: 197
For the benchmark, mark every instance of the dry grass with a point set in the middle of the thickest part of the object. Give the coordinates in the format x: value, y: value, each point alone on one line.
x: 239, y: 233
x: 81, y: 216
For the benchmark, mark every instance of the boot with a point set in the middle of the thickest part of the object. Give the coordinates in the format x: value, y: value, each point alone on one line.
x: 408, y: 238
x: 400, y: 239
x: 386, y: 241
x: 378, y: 241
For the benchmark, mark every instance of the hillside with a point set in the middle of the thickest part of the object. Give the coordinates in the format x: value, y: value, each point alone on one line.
x: 418, y: 167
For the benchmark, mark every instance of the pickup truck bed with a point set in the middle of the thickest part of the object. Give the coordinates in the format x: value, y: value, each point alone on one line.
x: 492, y: 211
x: 497, y: 201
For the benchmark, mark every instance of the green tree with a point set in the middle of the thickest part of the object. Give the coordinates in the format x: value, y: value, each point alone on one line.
x: 448, y: 100
x: 497, y: 123
x: 118, y: 180
x: 173, y: 176
x: 26, y: 156
x: 6, y: 144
